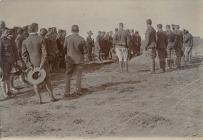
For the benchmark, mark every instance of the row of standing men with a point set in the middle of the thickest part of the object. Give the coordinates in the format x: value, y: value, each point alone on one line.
x: 51, y: 50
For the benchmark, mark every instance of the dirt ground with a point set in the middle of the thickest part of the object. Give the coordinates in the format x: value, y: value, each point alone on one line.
x: 129, y: 104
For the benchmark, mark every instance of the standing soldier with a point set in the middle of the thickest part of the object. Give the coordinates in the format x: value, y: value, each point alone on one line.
x: 98, y: 42
x: 138, y: 42
x: 178, y: 45
x: 52, y: 49
x: 60, y: 42
x: 7, y: 60
x: 74, y: 55
x: 90, y: 45
x: 111, y: 44
x: 120, y: 42
x: 161, y: 47
x: 36, y: 56
x: 187, y: 45
x: 150, y: 43
x: 170, y: 45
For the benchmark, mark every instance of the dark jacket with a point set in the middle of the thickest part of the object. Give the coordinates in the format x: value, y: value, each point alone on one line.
x: 170, y: 39
x: 150, y: 38
x: 161, y: 42
x: 7, y: 51
x: 74, y: 47
x: 178, y: 40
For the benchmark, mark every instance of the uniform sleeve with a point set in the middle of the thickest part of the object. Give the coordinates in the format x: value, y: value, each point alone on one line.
x: 25, y: 55
x: 15, y: 52
x: 147, y: 36
x: 186, y: 38
x: 44, y: 53
x: 82, y: 47
x: 65, y: 46
x: 128, y: 40
x: 1, y: 54
x: 191, y: 41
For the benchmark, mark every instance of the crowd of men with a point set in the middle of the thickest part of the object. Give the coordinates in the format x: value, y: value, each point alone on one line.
x: 24, y: 48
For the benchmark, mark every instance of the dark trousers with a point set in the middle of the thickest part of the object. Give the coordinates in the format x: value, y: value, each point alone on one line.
x: 72, y: 69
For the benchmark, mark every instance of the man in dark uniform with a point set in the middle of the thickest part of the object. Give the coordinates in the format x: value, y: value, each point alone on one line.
x: 170, y: 45
x: 60, y: 42
x: 121, y: 47
x: 74, y: 55
x: 34, y: 54
x: 178, y: 45
x: 8, y: 59
x: 52, y: 49
x: 90, y: 45
x: 161, y: 43
x: 150, y: 43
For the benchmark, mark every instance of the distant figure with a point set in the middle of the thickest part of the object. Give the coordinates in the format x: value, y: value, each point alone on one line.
x: 60, y: 64
x: 170, y: 46
x: 138, y: 42
x: 8, y: 59
x: 178, y: 45
x: 120, y: 42
x: 161, y: 47
x: 34, y: 54
x: 90, y: 45
x: 74, y: 46
x: 187, y: 45
x: 150, y: 43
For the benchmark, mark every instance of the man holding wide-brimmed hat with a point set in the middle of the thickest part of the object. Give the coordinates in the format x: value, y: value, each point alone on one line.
x: 74, y: 56
x: 34, y: 55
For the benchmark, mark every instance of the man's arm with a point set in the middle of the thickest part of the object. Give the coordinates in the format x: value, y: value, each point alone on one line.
x: 147, y: 35
x: 1, y: 54
x: 25, y: 56
x: 44, y: 53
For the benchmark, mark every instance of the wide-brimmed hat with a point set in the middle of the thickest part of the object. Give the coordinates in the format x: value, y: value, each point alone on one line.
x: 36, y: 76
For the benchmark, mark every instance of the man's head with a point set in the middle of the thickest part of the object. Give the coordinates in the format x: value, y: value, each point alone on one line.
x: 149, y: 22
x: 90, y: 33
x: 168, y: 27
x: 8, y: 33
x: 33, y: 28
x: 19, y: 31
x: 75, y: 29
x: 2, y: 24
x: 43, y: 31
x: 159, y: 27
x: 121, y: 25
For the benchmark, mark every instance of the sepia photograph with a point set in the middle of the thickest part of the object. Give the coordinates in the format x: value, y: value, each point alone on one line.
x: 101, y: 69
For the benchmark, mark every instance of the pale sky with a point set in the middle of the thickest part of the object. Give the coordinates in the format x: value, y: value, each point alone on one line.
x: 103, y: 14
